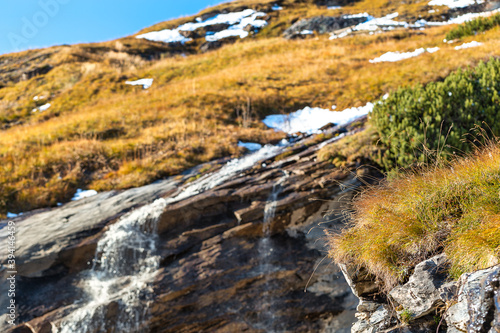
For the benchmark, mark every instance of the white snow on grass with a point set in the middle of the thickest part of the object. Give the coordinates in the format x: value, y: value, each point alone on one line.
x: 432, y: 49
x: 310, y: 120
x: 454, y: 3
x: 276, y: 7
x: 145, y: 83
x: 238, y: 30
x: 42, y: 108
x: 385, y: 22
x: 80, y: 194
x: 333, y: 7
x: 165, y: 36
x: 238, y: 21
x: 397, y: 56
x: 376, y: 25
x: 12, y: 215
x: 468, y: 45
x: 252, y: 146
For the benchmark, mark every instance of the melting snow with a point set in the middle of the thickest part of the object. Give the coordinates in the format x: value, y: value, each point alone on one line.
x: 42, y: 108
x: 467, y: 45
x: 165, y: 36
x: 145, y: 83
x: 334, y: 7
x: 80, y: 194
x: 397, y: 56
x: 310, y: 120
x: 307, y: 32
x: 454, y: 3
x: 276, y: 7
x: 238, y: 21
x: 385, y: 22
x: 250, y: 145
x: 12, y: 215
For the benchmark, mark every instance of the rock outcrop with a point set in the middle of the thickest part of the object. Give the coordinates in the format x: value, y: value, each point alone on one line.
x: 429, y: 302
x: 321, y: 25
x: 221, y: 268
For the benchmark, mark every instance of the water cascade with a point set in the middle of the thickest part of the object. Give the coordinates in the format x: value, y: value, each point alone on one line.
x: 266, y: 316
x: 118, y: 286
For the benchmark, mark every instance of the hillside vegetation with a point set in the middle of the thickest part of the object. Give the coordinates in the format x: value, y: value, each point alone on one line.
x: 453, y: 209
x: 443, y: 202
x: 101, y: 134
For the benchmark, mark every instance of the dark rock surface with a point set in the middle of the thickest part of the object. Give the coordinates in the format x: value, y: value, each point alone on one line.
x: 321, y: 25
x: 221, y: 269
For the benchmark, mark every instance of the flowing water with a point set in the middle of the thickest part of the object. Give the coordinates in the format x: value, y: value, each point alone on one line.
x: 118, y: 287
x: 266, y: 319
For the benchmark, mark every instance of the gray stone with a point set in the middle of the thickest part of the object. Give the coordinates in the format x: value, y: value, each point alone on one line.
x: 421, y: 294
x: 477, y: 308
x: 367, y: 306
x: 361, y: 282
x: 321, y: 24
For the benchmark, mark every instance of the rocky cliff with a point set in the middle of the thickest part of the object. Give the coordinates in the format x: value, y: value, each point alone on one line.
x: 237, y: 249
x: 429, y: 301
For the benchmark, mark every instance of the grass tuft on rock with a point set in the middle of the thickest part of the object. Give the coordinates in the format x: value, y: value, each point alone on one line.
x: 453, y: 209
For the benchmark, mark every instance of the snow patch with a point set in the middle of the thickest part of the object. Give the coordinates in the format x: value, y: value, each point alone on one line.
x: 276, y: 7
x: 310, y: 120
x: 455, y: 3
x: 145, y: 83
x: 238, y: 30
x: 333, y: 7
x: 468, y: 45
x: 397, y: 56
x: 384, y: 23
x: 42, y: 108
x: 80, y: 194
x: 165, y: 36
x: 238, y: 21
x: 12, y: 215
x: 252, y: 146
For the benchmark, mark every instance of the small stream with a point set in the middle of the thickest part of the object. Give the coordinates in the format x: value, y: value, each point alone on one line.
x: 118, y: 286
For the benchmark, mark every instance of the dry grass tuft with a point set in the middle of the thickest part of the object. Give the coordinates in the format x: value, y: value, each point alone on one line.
x: 453, y: 209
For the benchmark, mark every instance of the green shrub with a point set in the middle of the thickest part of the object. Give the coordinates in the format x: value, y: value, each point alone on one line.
x: 473, y: 27
x: 415, y: 121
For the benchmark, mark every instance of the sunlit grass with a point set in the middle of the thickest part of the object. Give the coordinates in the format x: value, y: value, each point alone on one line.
x: 453, y: 209
x: 103, y: 134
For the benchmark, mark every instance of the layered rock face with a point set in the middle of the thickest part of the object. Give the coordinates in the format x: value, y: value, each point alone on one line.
x: 243, y: 253
x: 429, y: 302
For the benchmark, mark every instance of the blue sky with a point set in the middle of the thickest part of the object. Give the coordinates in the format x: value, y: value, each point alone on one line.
x: 26, y: 24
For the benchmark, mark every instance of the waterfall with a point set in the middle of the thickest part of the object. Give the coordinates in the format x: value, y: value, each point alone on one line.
x: 265, y: 310
x: 118, y: 287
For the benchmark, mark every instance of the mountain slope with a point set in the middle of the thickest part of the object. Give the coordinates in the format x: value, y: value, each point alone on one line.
x: 100, y: 133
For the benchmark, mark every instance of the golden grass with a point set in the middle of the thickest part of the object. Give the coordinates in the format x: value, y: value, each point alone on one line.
x: 453, y: 209
x: 103, y: 134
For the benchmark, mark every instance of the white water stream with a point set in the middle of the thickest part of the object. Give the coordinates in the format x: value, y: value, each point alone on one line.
x: 126, y: 260
x: 266, y: 316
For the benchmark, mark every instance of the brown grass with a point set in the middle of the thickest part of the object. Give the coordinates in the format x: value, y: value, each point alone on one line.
x: 453, y: 209
x: 102, y: 134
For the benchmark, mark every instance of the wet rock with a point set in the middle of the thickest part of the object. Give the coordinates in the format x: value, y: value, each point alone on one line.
x: 220, y: 268
x: 421, y: 294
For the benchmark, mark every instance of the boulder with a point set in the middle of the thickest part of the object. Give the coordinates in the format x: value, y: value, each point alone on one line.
x: 321, y: 25
x: 421, y: 294
x: 477, y: 308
